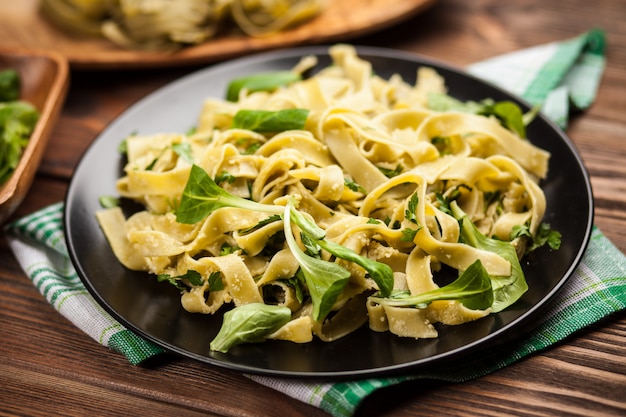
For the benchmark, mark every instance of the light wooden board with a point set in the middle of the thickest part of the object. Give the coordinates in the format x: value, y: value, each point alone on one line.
x: 21, y: 25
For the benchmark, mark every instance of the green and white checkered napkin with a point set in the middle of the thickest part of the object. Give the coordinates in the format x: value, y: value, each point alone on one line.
x: 554, y: 74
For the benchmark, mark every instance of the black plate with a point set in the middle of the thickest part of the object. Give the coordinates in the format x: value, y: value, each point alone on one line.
x: 153, y: 309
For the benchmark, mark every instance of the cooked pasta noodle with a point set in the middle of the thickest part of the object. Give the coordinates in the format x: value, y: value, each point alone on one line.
x: 360, y: 127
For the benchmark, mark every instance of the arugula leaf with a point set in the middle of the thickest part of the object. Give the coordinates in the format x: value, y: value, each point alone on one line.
x: 108, y: 201
x: 381, y: 273
x: 267, y: 81
x: 264, y: 121
x: 324, y: 280
x: 271, y: 219
x: 183, y: 150
x: 296, y: 284
x: 310, y: 246
x: 249, y: 323
x: 472, y: 289
x: 506, y: 289
x: 507, y: 112
x: 202, y: 196
x: 444, y: 102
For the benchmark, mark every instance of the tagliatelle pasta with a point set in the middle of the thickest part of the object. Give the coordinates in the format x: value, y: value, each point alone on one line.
x: 373, y: 166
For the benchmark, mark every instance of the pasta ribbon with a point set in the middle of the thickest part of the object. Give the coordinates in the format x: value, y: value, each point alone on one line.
x: 372, y: 166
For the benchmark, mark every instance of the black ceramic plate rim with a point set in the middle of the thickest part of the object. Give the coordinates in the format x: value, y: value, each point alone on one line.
x: 264, y: 61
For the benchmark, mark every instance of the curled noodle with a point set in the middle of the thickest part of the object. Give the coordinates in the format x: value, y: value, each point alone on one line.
x: 359, y: 128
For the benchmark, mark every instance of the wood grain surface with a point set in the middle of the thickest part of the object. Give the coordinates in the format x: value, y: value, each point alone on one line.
x: 49, y: 367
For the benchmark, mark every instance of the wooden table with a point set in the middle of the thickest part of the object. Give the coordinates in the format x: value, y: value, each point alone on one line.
x: 49, y: 367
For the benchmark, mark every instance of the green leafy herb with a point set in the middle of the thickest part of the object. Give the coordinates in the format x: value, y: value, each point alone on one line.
x: 225, y: 176
x: 228, y: 249
x: 264, y: 121
x: 215, y: 281
x: 507, y: 112
x: 442, y: 143
x: 202, y: 195
x: 352, y: 185
x: 193, y: 277
x: 271, y: 219
x: 492, y: 197
x: 472, y: 288
x: 296, y: 284
x: 10, y: 85
x: 445, y: 200
x: 408, y: 234
x: 325, y: 280
x: 444, y: 102
x: 310, y: 246
x: 122, y: 147
x: 530, y: 115
x: 411, y: 209
x: 444, y: 203
x: 506, y: 289
x: 17, y: 122
x: 381, y: 273
x: 252, y: 148
x: 183, y: 150
x: 390, y: 173
x: 268, y: 81
x: 249, y: 323
x: 107, y: 201
x: 545, y: 235
x: 151, y: 165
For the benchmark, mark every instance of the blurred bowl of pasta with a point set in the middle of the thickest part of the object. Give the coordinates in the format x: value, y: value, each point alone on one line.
x: 117, y: 34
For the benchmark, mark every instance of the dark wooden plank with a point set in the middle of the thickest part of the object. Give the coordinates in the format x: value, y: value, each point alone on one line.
x: 49, y: 367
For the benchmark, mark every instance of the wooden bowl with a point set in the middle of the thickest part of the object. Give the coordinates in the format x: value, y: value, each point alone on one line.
x: 44, y: 79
